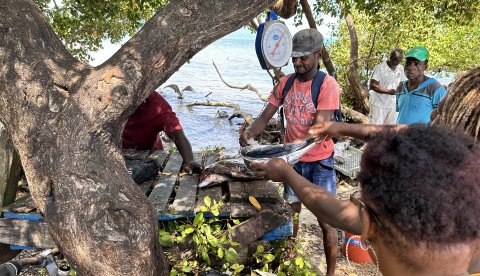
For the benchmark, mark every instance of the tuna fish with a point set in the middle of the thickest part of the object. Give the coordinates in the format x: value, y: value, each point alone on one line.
x: 291, y: 152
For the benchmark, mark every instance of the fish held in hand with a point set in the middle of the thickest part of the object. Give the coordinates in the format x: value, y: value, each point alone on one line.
x: 291, y: 152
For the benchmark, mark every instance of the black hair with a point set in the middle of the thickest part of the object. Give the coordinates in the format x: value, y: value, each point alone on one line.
x: 396, y: 51
x: 424, y: 183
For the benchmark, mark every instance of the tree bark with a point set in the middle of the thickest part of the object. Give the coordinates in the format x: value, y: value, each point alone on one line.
x: 327, y: 62
x: 285, y: 8
x: 353, y: 78
x: 65, y: 118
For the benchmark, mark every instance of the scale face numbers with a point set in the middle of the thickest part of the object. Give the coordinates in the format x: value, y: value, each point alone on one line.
x: 276, y: 44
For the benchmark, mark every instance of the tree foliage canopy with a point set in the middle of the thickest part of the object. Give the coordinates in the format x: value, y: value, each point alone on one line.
x: 446, y: 28
x: 82, y: 25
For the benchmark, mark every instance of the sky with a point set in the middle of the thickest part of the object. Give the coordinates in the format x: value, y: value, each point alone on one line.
x: 109, y: 49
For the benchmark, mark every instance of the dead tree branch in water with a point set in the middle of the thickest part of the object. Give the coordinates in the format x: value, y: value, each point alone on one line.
x: 175, y: 88
x: 237, y: 113
x: 248, y: 86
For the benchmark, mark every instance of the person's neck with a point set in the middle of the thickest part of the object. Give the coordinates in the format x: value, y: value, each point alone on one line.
x: 452, y: 261
x: 310, y: 75
x: 389, y: 63
x: 414, y: 83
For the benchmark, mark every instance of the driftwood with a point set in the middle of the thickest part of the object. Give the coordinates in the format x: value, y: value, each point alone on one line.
x: 176, y: 89
x: 248, y: 86
x: 237, y: 113
x: 356, y: 116
x: 253, y: 228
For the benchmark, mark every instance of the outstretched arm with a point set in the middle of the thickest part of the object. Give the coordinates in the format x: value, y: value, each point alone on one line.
x: 185, y: 149
x: 359, y: 131
x: 342, y: 214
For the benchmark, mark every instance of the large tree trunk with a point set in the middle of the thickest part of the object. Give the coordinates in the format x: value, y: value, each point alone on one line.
x: 358, y: 91
x: 66, y: 117
x: 327, y: 62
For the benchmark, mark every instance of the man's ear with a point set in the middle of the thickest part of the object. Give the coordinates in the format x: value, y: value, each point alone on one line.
x: 426, y: 64
x: 369, y: 226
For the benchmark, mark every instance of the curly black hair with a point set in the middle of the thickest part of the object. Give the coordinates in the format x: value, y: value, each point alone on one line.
x: 424, y: 183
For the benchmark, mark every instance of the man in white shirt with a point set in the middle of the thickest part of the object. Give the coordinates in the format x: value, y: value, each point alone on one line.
x: 383, y: 86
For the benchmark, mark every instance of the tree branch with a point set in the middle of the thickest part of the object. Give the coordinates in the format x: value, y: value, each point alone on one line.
x: 327, y: 62
x: 237, y: 113
x: 171, y: 38
x: 248, y: 86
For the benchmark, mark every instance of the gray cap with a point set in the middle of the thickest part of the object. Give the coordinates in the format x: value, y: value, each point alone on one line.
x: 306, y: 42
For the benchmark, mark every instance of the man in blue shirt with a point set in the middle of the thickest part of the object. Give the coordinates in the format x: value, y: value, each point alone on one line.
x: 419, y: 94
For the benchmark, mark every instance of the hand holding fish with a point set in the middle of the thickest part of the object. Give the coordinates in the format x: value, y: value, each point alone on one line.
x: 275, y: 169
x: 193, y: 167
x: 246, y: 138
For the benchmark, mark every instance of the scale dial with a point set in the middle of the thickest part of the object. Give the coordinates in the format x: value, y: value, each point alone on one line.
x: 276, y: 44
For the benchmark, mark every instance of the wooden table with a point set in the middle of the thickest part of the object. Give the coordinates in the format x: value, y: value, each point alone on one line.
x: 173, y: 194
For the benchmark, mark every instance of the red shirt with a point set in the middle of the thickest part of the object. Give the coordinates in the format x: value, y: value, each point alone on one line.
x: 300, y: 112
x: 151, y: 117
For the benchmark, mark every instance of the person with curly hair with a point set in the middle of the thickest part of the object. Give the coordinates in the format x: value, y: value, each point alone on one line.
x: 411, y: 209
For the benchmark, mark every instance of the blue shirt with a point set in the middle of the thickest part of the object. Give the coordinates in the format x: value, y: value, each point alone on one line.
x: 415, y: 106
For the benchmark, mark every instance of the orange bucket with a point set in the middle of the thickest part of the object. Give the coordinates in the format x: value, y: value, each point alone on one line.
x: 355, y: 252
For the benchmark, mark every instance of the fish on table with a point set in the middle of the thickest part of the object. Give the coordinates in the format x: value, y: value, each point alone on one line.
x: 226, y: 170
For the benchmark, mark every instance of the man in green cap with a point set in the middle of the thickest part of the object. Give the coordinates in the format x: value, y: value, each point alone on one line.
x: 419, y: 95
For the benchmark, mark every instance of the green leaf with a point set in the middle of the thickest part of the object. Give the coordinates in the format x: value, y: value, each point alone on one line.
x: 299, y: 262
x: 180, y: 239
x: 186, y: 269
x: 269, y: 258
x: 237, y: 268
x: 203, y: 208
x: 236, y: 221
x: 208, y: 201
x: 231, y: 255
x: 220, y: 253
x: 198, y: 219
x: 260, y: 249
x: 223, y: 239
x: 196, y: 240
x: 166, y: 240
x: 189, y: 229
x: 205, y: 257
x: 212, y: 240
x: 215, y: 213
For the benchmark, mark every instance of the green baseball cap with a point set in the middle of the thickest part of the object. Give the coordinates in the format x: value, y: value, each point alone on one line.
x: 418, y: 52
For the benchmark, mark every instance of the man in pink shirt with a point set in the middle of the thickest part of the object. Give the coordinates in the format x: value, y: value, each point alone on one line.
x: 300, y: 113
x: 153, y: 116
